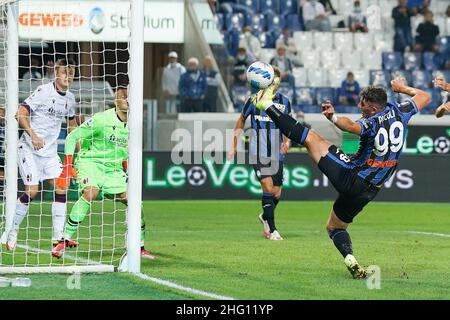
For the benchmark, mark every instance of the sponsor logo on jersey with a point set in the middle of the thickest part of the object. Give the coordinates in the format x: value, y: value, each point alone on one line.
x: 381, y: 164
x: 280, y: 107
x: 122, y: 142
x: 262, y: 118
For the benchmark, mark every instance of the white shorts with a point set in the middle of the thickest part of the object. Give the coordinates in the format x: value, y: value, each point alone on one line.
x: 34, y: 169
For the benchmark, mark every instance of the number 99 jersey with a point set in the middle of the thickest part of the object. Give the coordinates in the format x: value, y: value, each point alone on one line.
x: 382, y: 139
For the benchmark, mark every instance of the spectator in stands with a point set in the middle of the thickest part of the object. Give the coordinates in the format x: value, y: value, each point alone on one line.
x: 427, y: 32
x: 170, y: 80
x: 402, y: 18
x: 34, y: 72
x: 212, y: 82
x: 286, y: 40
x: 419, y: 6
x: 282, y: 62
x: 315, y: 17
x: 250, y: 43
x: 49, y: 71
x: 328, y: 6
x: 357, y: 20
x: 349, y: 91
x: 192, y: 87
x: 240, y: 67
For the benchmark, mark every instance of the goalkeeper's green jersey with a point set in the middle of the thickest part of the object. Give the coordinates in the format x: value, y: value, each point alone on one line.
x: 104, y: 139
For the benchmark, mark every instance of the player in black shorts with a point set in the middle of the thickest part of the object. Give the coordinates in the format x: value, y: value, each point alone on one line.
x: 267, y: 149
x: 382, y: 131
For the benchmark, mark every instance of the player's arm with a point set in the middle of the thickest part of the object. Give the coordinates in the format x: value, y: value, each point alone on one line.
x: 343, y: 123
x: 239, y: 125
x: 421, y: 98
x: 23, y: 118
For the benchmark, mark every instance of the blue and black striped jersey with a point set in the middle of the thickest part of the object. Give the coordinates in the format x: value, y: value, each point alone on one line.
x: 381, y: 142
x: 266, y: 138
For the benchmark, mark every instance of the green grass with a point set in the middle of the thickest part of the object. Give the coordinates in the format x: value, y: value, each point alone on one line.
x: 217, y: 246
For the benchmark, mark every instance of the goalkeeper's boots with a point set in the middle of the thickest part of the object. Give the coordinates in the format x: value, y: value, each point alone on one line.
x: 355, y: 269
x: 266, y: 228
x: 11, y: 240
x: 147, y: 255
x: 275, y: 236
x: 59, y: 249
x: 70, y: 243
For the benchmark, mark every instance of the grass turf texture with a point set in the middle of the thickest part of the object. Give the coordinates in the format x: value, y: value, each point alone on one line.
x: 218, y: 246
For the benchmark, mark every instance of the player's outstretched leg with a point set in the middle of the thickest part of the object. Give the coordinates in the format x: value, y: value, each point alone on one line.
x: 337, y: 230
x: 77, y: 215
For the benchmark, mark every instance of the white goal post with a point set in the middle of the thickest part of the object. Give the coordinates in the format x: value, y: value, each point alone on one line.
x: 109, y: 238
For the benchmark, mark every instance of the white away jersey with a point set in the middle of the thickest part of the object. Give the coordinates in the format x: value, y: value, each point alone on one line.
x: 47, y: 110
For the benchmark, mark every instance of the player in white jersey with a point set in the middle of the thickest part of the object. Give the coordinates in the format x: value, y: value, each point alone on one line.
x: 39, y: 118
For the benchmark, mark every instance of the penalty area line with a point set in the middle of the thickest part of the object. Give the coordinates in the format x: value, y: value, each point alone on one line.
x: 182, y: 288
x: 445, y: 235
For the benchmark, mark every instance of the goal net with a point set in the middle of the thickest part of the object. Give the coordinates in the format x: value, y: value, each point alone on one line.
x: 35, y: 36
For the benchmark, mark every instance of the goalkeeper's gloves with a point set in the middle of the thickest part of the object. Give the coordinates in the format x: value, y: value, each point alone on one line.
x: 63, y: 182
x: 264, y: 98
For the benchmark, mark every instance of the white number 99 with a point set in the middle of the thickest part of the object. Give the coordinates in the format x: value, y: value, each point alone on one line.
x: 381, y: 148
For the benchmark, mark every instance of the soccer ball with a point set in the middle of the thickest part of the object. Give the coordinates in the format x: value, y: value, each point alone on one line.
x: 196, y: 176
x: 260, y: 75
x: 442, y: 145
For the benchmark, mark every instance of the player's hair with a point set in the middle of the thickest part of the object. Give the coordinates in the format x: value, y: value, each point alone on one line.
x: 276, y: 71
x: 376, y: 95
x: 64, y: 63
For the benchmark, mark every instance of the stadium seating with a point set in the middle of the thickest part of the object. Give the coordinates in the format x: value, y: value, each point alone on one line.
x: 301, y: 78
x: 285, y: 89
x: 363, y: 40
x: 432, y: 61
x: 294, y: 23
x: 267, y: 54
x: 402, y: 74
x: 336, y: 76
x: 305, y: 96
x: 392, y: 60
x: 239, y: 95
x: 257, y: 22
x: 288, y: 7
x: 268, y: 5
x: 343, y: 40
x: 267, y: 40
x: 412, y: 60
x: 379, y: 78
x: 323, y: 40
x: 330, y: 59
x: 362, y: 76
x: 237, y: 21
x: 303, y: 40
x: 371, y: 60
x: 252, y: 4
x: 351, y: 59
x: 310, y: 58
x: 323, y: 94
x: 275, y: 23
x: 317, y: 77
x: 421, y: 79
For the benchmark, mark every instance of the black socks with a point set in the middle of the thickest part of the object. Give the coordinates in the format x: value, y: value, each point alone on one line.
x: 288, y: 125
x: 268, y: 206
x: 342, y: 241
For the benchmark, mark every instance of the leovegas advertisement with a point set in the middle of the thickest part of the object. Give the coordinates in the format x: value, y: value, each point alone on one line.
x: 99, y: 21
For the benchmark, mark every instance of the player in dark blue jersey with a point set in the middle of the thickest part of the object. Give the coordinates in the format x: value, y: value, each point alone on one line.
x: 358, y: 179
x: 267, y: 149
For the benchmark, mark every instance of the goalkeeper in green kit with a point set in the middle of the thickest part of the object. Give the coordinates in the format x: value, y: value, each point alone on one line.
x: 101, y: 165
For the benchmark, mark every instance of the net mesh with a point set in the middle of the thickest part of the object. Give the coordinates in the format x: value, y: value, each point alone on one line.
x: 99, y: 68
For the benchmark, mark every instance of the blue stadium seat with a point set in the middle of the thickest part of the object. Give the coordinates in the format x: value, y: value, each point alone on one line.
x: 267, y: 40
x: 285, y: 89
x: 412, y: 60
x: 432, y: 61
x: 242, y: 8
x: 239, y: 95
x: 237, y: 22
x: 421, y: 79
x: 323, y: 94
x: 305, y: 96
x: 252, y: 4
x: 392, y: 60
x: 226, y: 8
x: 288, y: 7
x: 231, y: 40
x: 257, y: 22
x: 309, y: 108
x: 444, y: 44
x: 275, y: 23
x: 380, y: 78
x: 402, y: 74
x: 294, y: 23
x: 271, y: 5
x: 441, y: 73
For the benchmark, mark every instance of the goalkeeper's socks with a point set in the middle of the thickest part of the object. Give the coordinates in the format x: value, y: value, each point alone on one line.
x: 269, y: 210
x: 59, y: 215
x: 77, y: 215
x: 342, y: 241
x: 21, y: 209
x: 291, y: 128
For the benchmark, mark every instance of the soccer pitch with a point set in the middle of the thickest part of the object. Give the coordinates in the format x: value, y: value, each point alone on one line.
x: 218, y: 247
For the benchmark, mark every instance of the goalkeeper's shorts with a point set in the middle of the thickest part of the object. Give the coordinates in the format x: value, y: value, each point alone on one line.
x: 93, y: 174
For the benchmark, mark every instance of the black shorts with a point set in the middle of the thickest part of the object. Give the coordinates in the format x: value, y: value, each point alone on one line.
x: 262, y: 171
x: 354, y: 192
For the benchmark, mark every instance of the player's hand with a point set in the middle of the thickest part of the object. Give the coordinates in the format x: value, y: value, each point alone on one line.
x: 328, y: 109
x: 285, y: 147
x: 398, y: 85
x: 231, y: 154
x: 264, y: 98
x: 440, y: 83
x: 38, y: 143
x: 63, y: 182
